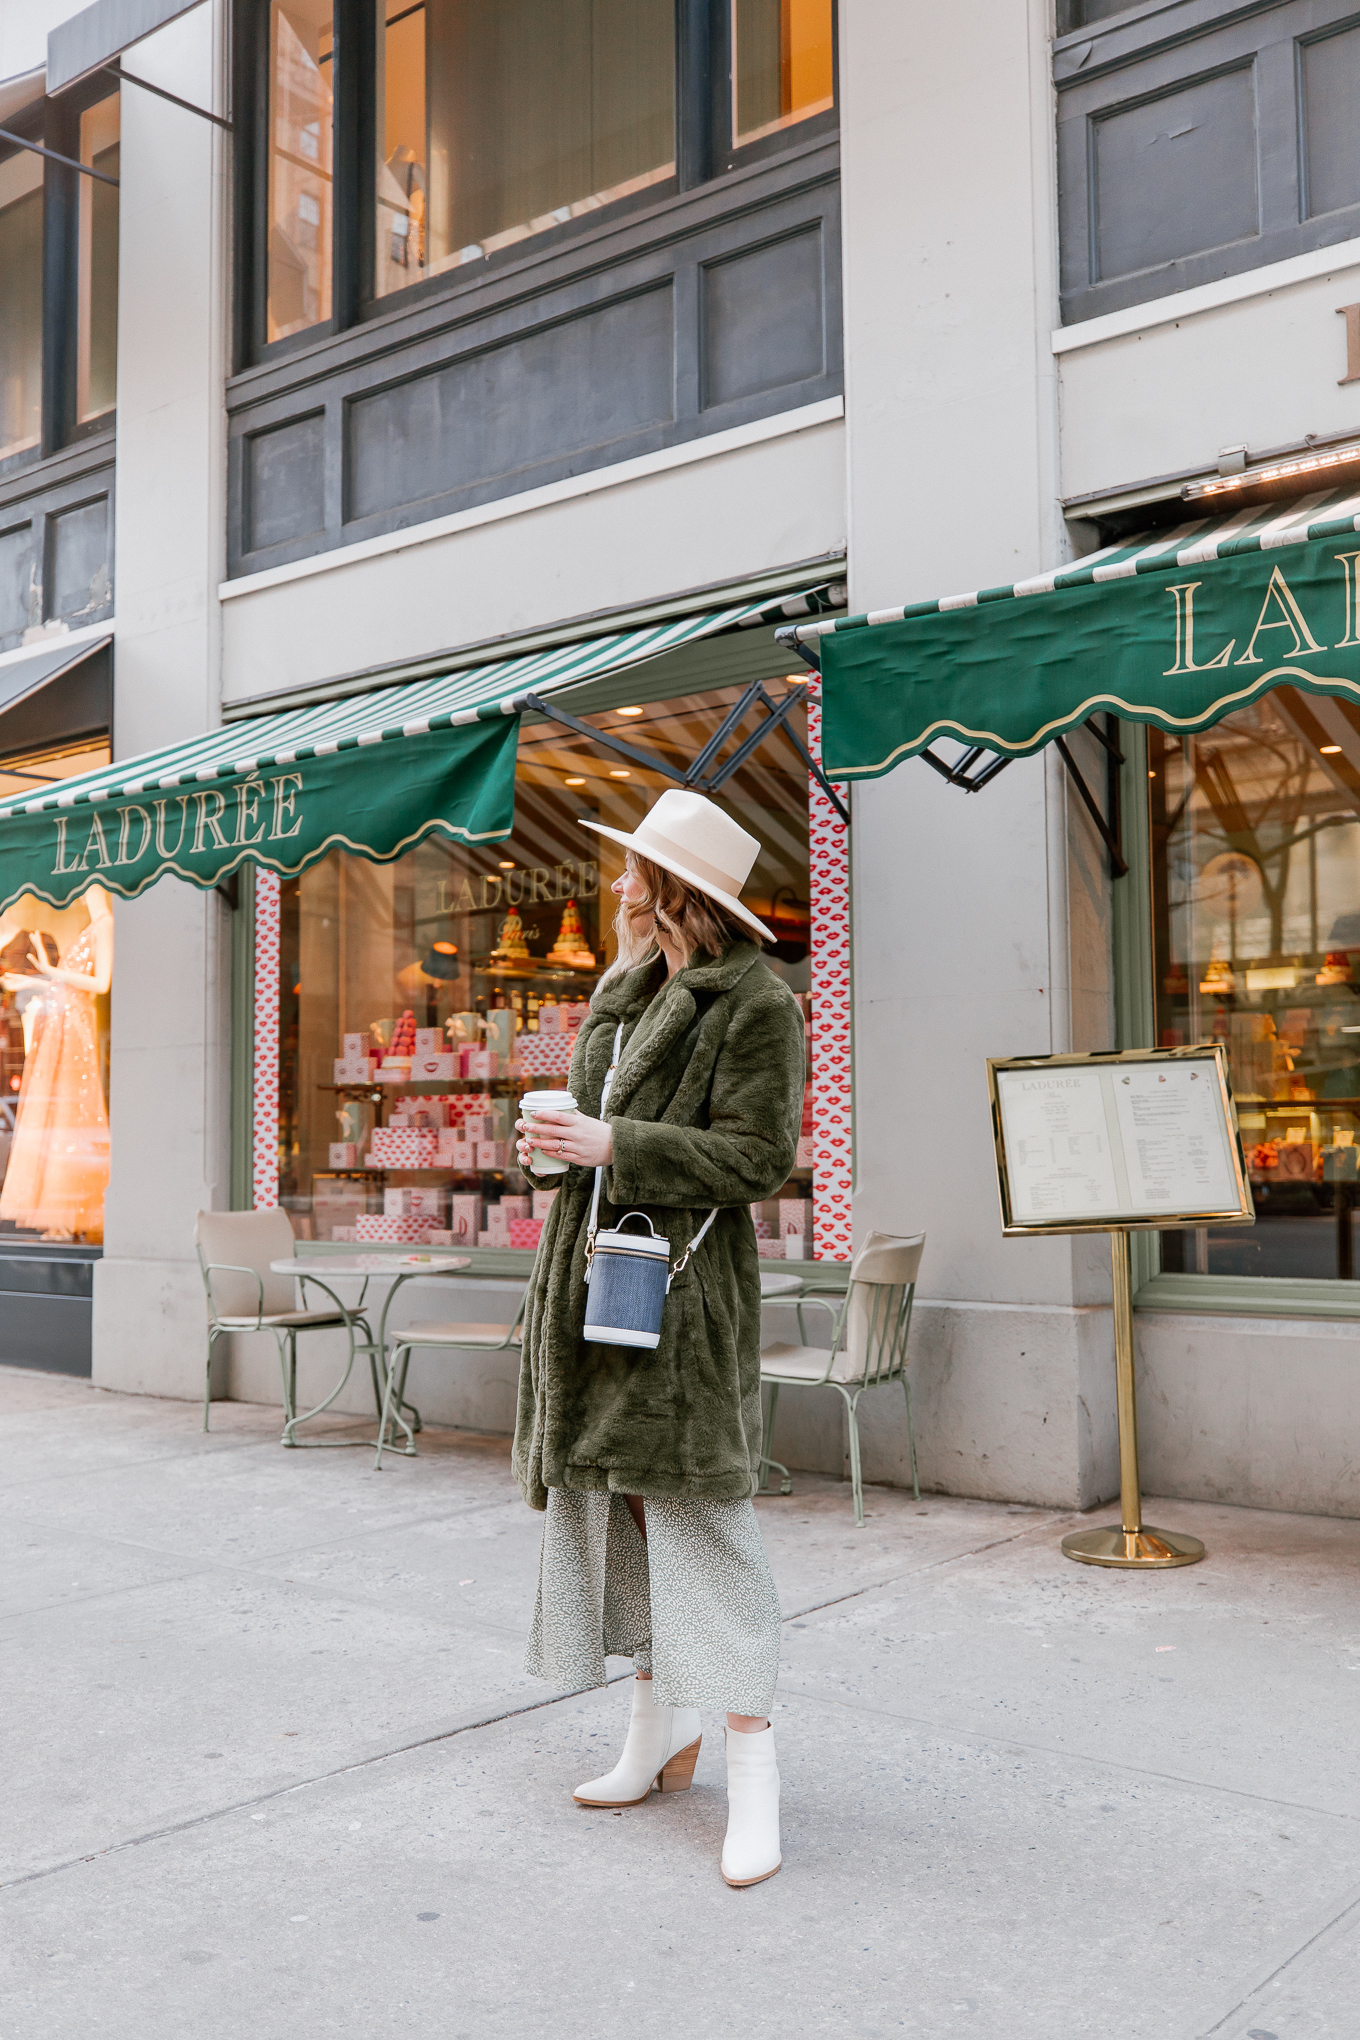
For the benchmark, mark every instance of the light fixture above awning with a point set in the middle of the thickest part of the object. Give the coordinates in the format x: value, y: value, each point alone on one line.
x: 372, y: 774
x: 1177, y: 629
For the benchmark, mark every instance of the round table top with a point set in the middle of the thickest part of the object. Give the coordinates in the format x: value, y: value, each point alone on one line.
x: 371, y: 1264
x: 780, y: 1285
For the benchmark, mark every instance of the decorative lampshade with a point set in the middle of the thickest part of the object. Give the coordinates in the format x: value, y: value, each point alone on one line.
x: 441, y: 960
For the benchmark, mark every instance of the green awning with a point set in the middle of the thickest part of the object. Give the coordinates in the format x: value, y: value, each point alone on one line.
x: 372, y: 774
x: 1176, y: 628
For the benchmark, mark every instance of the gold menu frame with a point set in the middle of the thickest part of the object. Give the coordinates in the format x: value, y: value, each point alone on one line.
x: 1133, y: 1543
x: 1121, y: 1058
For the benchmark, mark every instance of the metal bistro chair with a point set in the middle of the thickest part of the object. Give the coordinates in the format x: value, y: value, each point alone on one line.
x: 446, y: 1337
x: 868, y: 1346
x: 235, y: 1249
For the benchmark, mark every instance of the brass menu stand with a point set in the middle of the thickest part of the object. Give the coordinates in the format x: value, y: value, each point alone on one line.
x: 1119, y: 1141
x: 1133, y: 1543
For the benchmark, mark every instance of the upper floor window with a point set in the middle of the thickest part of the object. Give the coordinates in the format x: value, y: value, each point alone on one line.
x: 782, y: 64
x: 500, y: 119
x: 58, y: 271
x: 21, y: 222
x: 97, y: 289
x: 401, y: 140
x: 301, y: 64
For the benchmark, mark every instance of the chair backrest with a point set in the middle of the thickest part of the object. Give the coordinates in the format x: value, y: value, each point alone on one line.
x: 878, y: 1308
x: 247, y: 1239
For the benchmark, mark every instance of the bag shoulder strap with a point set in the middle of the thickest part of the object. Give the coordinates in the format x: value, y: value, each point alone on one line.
x: 593, y: 1225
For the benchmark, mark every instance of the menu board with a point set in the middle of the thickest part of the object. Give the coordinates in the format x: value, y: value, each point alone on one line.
x: 1140, y: 1139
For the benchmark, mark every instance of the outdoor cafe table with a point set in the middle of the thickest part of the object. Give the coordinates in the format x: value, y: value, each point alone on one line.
x: 399, y: 1268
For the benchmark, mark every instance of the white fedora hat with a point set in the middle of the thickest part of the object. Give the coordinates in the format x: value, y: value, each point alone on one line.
x: 692, y: 838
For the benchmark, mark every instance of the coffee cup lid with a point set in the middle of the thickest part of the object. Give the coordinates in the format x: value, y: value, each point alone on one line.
x: 561, y: 1099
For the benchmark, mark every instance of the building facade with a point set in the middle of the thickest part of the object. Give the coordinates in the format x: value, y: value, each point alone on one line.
x: 422, y: 363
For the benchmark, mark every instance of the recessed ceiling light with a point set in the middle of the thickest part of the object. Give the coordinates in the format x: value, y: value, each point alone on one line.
x: 1329, y: 750
x: 617, y: 774
x: 630, y: 711
x: 505, y: 866
x: 576, y: 782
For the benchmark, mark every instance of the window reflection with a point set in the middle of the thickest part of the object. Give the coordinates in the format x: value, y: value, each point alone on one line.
x: 500, y: 119
x: 20, y: 302
x: 781, y: 64
x: 97, y: 351
x: 1256, y: 898
x: 301, y: 47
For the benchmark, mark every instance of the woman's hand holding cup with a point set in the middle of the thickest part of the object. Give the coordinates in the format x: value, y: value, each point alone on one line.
x: 554, y: 1135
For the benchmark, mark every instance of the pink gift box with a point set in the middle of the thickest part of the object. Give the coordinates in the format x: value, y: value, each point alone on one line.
x: 355, y: 1045
x: 771, y: 1250
x: 396, y: 1147
x: 430, y: 1041
x: 491, y: 1154
x: 343, y: 1154
x: 409, y: 1232
x: 478, y: 1063
x: 425, y: 1068
x: 516, y: 1207
x: 344, y: 1232
x: 545, y: 1055
x: 465, y: 1217
x: 462, y: 1157
x: 524, y: 1232
x: 541, y: 1203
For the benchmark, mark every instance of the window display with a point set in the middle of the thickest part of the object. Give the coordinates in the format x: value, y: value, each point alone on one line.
x: 1256, y: 920
x: 419, y: 1000
x: 57, y: 970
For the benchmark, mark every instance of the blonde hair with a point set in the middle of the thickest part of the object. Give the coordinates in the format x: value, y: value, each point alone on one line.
x: 697, y: 924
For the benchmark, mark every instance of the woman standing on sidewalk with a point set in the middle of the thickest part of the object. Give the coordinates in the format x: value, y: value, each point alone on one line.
x: 645, y: 1462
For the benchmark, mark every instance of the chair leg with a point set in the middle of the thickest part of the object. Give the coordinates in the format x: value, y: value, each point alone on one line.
x: 911, y: 1439
x: 856, y: 1478
x: 207, y: 1380
x: 282, y: 1341
x: 385, y: 1417
x: 765, y: 1461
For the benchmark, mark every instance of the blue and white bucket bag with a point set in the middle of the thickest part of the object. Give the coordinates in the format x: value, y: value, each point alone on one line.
x: 628, y: 1274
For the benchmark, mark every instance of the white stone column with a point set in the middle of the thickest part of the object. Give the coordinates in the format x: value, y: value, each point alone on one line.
x: 169, y: 1102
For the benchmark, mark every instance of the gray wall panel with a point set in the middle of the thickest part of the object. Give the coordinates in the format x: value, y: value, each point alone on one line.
x: 1175, y: 174
x: 1329, y: 93
x: 588, y: 382
x: 78, y: 579
x: 763, y: 319
x: 1199, y: 139
x: 20, y: 598
x: 286, y: 481
x: 56, y: 539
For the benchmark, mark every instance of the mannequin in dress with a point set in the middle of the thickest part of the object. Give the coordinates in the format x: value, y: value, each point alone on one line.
x: 59, y: 1161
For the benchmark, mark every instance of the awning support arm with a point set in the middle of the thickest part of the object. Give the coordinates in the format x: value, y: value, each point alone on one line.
x: 115, y: 70
x: 1109, y: 831
x: 962, y: 774
x: 85, y: 169
x: 694, y: 774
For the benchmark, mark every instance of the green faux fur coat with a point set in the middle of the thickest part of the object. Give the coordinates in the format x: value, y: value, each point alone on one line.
x: 707, y: 1112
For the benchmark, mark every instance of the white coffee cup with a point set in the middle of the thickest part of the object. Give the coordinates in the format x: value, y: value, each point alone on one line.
x: 530, y: 1105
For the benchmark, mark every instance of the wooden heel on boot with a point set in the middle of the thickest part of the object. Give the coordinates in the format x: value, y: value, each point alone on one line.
x: 678, y: 1774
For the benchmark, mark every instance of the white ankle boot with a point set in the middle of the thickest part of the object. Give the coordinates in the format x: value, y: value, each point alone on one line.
x: 662, y: 1749
x: 751, y: 1850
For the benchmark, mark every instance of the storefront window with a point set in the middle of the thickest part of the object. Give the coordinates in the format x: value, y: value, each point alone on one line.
x: 56, y: 966
x: 418, y: 999
x: 782, y: 64
x: 1256, y: 911
x: 301, y: 47
x: 21, y: 218
x: 498, y: 119
x: 97, y: 352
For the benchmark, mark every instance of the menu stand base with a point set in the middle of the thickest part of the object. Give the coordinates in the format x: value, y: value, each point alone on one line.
x: 1146, y: 1547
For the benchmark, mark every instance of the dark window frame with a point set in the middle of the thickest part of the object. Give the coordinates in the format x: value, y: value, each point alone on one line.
x: 55, y: 123
x: 705, y: 150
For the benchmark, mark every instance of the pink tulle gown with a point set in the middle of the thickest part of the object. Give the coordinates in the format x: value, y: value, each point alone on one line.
x: 59, y: 1161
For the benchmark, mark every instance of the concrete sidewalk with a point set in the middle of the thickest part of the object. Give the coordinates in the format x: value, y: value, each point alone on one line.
x: 273, y: 1769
